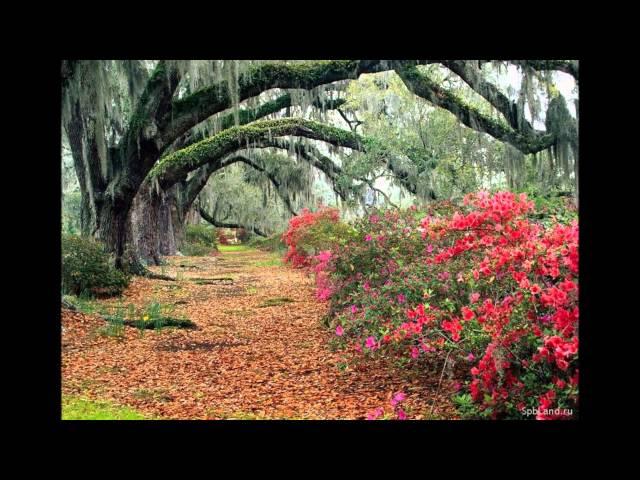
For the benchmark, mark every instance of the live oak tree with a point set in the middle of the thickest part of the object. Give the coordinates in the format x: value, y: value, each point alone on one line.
x: 145, y: 136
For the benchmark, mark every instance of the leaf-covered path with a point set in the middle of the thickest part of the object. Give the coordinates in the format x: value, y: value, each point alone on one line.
x: 259, y: 351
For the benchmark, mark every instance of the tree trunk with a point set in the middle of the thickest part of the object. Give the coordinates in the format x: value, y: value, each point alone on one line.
x: 166, y: 231
x: 145, y: 212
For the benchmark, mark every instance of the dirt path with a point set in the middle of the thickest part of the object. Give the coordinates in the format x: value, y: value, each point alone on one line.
x: 259, y: 350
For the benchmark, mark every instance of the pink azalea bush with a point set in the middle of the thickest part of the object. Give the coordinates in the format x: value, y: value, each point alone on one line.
x: 487, y: 283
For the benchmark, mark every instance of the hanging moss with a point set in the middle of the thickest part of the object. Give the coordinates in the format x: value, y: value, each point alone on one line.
x: 562, y: 126
x: 172, y: 166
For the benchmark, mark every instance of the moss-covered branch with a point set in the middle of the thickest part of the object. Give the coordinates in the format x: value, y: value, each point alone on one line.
x: 249, y: 115
x: 216, y: 223
x: 196, y: 183
x: 567, y: 66
x: 424, y: 87
x: 176, y: 166
x: 195, y: 108
x: 472, y: 76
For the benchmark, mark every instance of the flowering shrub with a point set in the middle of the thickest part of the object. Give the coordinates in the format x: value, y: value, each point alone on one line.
x: 397, y: 409
x: 312, y: 232
x: 484, y: 285
x: 222, y: 238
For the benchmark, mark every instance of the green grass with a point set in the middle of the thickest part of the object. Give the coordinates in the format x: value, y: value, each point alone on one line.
x: 77, y: 408
x: 234, y: 248
x: 272, y: 262
x: 273, y: 302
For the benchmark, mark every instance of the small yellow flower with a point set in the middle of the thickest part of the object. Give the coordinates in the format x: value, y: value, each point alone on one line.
x: 145, y: 318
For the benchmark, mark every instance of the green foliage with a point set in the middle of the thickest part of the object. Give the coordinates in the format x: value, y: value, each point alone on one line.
x: 273, y: 243
x: 76, y: 408
x: 71, y: 213
x: 195, y: 250
x: 153, y: 316
x: 325, y: 234
x: 202, y: 234
x: 234, y: 248
x: 200, y: 240
x: 273, y: 262
x: 554, y: 206
x: 87, y: 268
x: 427, y: 146
x: 274, y: 302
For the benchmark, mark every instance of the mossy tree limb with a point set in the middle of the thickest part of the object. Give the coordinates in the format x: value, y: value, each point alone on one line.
x: 472, y: 76
x: 176, y: 166
x: 424, y: 87
x: 216, y: 223
x: 567, y: 66
x: 193, y: 186
x: 193, y: 109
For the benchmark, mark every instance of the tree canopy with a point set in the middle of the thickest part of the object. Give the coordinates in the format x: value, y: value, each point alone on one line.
x: 268, y: 138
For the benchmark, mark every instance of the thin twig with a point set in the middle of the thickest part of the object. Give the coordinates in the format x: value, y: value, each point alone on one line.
x: 439, y: 382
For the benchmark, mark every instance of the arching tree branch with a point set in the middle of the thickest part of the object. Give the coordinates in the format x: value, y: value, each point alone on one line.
x: 174, y: 167
x: 200, y: 105
x: 472, y: 75
x: 218, y: 224
x: 567, y: 66
x: 422, y: 86
x: 249, y: 115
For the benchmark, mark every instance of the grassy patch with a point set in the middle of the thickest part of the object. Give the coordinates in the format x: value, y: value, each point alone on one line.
x: 213, y: 281
x: 272, y: 262
x: 159, y: 395
x: 77, y: 408
x: 151, y: 324
x: 234, y: 248
x: 153, y: 316
x: 272, y: 302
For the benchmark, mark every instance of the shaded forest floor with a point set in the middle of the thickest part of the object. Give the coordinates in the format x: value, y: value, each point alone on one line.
x: 259, y: 351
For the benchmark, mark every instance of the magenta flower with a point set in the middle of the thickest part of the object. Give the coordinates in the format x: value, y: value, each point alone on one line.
x: 415, y: 352
x: 366, y: 286
x: 401, y: 298
x: 429, y: 248
x: 370, y: 343
x: 401, y: 414
x: 339, y: 330
x: 367, y: 238
x: 471, y: 357
x: 354, y: 309
x: 375, y: 414
x: 397, y: 398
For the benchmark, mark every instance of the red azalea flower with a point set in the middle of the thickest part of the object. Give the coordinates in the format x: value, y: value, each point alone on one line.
x: 467, y: 313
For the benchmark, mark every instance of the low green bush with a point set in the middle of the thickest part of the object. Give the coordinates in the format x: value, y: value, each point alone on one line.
x: 195, y: 250
x: 200, y: 240
x: 87, y: 269
x: 273, y: 243
x: 202, y: 234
